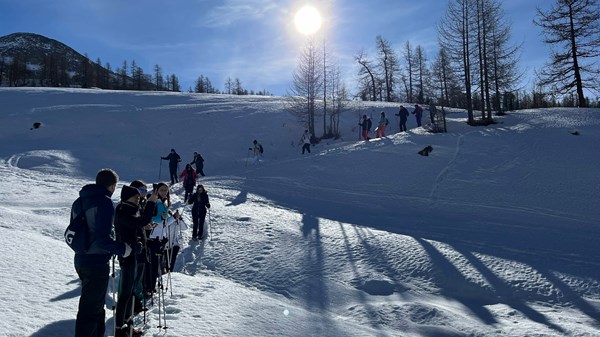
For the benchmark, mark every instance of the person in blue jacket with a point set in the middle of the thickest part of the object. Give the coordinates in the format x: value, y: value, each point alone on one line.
x: 93, y: 266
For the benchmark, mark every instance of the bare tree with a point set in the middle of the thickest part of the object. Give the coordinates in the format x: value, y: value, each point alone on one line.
x: 409, y: 61
x: 422, y: 73
x: 388, y: 63
x: 574, y: 26
x: 367, y: 73
x: 454, y: 32
x: 307, y: 84
x: 158, y: 78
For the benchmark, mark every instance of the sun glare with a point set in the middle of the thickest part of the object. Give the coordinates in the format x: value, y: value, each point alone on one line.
x: 308, y: 20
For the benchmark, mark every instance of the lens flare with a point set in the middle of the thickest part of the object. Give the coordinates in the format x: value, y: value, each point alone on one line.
x: 308, y: 20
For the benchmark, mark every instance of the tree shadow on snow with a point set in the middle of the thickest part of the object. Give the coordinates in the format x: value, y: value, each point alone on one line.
x: 315, y: 285
x: 504, y: 292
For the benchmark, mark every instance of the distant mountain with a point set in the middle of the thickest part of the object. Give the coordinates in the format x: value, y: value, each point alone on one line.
x: 36, y: 49
x: 28, y: 59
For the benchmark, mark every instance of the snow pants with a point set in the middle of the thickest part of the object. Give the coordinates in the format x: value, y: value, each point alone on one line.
x: 90, y: 316
x: 126, y: 288
x: 306, y: 147
x: 402, y: 125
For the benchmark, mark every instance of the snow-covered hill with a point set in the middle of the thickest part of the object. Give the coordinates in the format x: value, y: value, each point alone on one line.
x: 493, y: 234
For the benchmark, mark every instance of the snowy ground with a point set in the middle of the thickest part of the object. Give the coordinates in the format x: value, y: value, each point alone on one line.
x: 491, y: 235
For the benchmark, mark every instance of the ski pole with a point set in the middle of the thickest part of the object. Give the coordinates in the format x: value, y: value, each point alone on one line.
x: 160, y: 169
x: 247, y: 156
x: 210, y: 227
x: 113, y: 295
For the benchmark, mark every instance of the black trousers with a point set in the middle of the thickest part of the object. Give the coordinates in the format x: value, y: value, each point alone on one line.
x: 90, y: 316
x: 173, y: 173
x: 198, y: 221
x: 200, y: 170
x: 306, y: 147
x: 126, y: 288
x: 402, y: 125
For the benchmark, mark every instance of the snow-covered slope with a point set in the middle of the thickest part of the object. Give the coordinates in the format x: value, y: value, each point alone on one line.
x: 493, y: 234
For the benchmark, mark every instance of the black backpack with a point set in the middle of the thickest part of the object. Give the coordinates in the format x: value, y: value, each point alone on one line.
x: 77, y: 233
x: 260, y: 148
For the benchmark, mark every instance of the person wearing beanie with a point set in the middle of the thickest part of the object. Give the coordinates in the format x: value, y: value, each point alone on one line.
x: 129, y: 226
x: 143, y: 259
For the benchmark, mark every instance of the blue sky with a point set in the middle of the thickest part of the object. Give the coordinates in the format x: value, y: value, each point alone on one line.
x: 253, y: 40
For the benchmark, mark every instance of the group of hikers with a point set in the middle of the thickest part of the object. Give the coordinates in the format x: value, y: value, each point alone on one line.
x: 403, y: 113
x: 147, y: 238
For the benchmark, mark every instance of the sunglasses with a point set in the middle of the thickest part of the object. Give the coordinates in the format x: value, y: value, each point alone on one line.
x: 142, y: 190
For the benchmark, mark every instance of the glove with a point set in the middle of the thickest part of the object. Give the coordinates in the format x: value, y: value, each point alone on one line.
x: 138, y: 248
x: 250, y: 148
x: 127, y: 250
x: 207, y: 205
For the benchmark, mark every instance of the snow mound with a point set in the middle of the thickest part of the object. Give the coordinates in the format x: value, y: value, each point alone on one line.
x: 46, y: 161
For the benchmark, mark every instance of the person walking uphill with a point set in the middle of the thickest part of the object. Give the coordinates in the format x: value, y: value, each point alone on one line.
x: 366, y: 127
x: 129, y: 227
x: 200, y: 205
x: 174, y: 160
x: 93, y: 266
x: 418, y: 112
x: 383, y: 122
x: 305, y: 140
x: 403, y: 113
x: 189, y: 180
x: 198, y: 161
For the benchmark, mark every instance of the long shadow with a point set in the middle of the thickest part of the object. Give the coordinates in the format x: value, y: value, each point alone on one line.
x: 241, y: 198
x: 59, y: 328
x: 379, y: 258
x: 69, y: 294
x: 315, y: 292
x: 503, y: 292
x: 453, y: 285
x: 370, y: 309
x: 570, y: 296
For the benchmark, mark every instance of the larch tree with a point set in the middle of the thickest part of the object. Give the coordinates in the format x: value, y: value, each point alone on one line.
x: 573, y: 26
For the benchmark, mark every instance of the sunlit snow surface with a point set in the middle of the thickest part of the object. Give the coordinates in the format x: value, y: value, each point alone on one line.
x: 494, y: 234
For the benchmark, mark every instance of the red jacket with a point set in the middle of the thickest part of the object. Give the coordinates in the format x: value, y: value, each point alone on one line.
x: 187, y: 182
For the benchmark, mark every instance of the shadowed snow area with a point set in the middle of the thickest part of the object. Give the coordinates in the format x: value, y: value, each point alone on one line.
x: 493, y: 234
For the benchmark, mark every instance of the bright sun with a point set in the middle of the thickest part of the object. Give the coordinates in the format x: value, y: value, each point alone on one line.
x: 308, y: 20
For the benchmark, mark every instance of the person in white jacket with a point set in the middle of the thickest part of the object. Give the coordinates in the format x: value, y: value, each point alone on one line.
x: 305, y: 140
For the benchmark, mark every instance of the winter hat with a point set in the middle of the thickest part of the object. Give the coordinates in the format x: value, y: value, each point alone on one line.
x: 172, y: 150
x: 128, y: 192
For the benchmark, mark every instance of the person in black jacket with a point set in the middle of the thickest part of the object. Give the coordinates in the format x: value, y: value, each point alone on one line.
x: 93, y: 266
x: 403, y: 114
x: 129, y: 226
x: 366, y: 127
x: 143, y: 259
x: 198, y: 161
x: 200, y: 205
x: 174, y: 160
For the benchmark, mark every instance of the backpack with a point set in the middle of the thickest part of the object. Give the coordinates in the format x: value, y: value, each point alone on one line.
x: 77, y: 233
x: 260, y: 148
x: 387, y: 122
x: 369, y: 124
